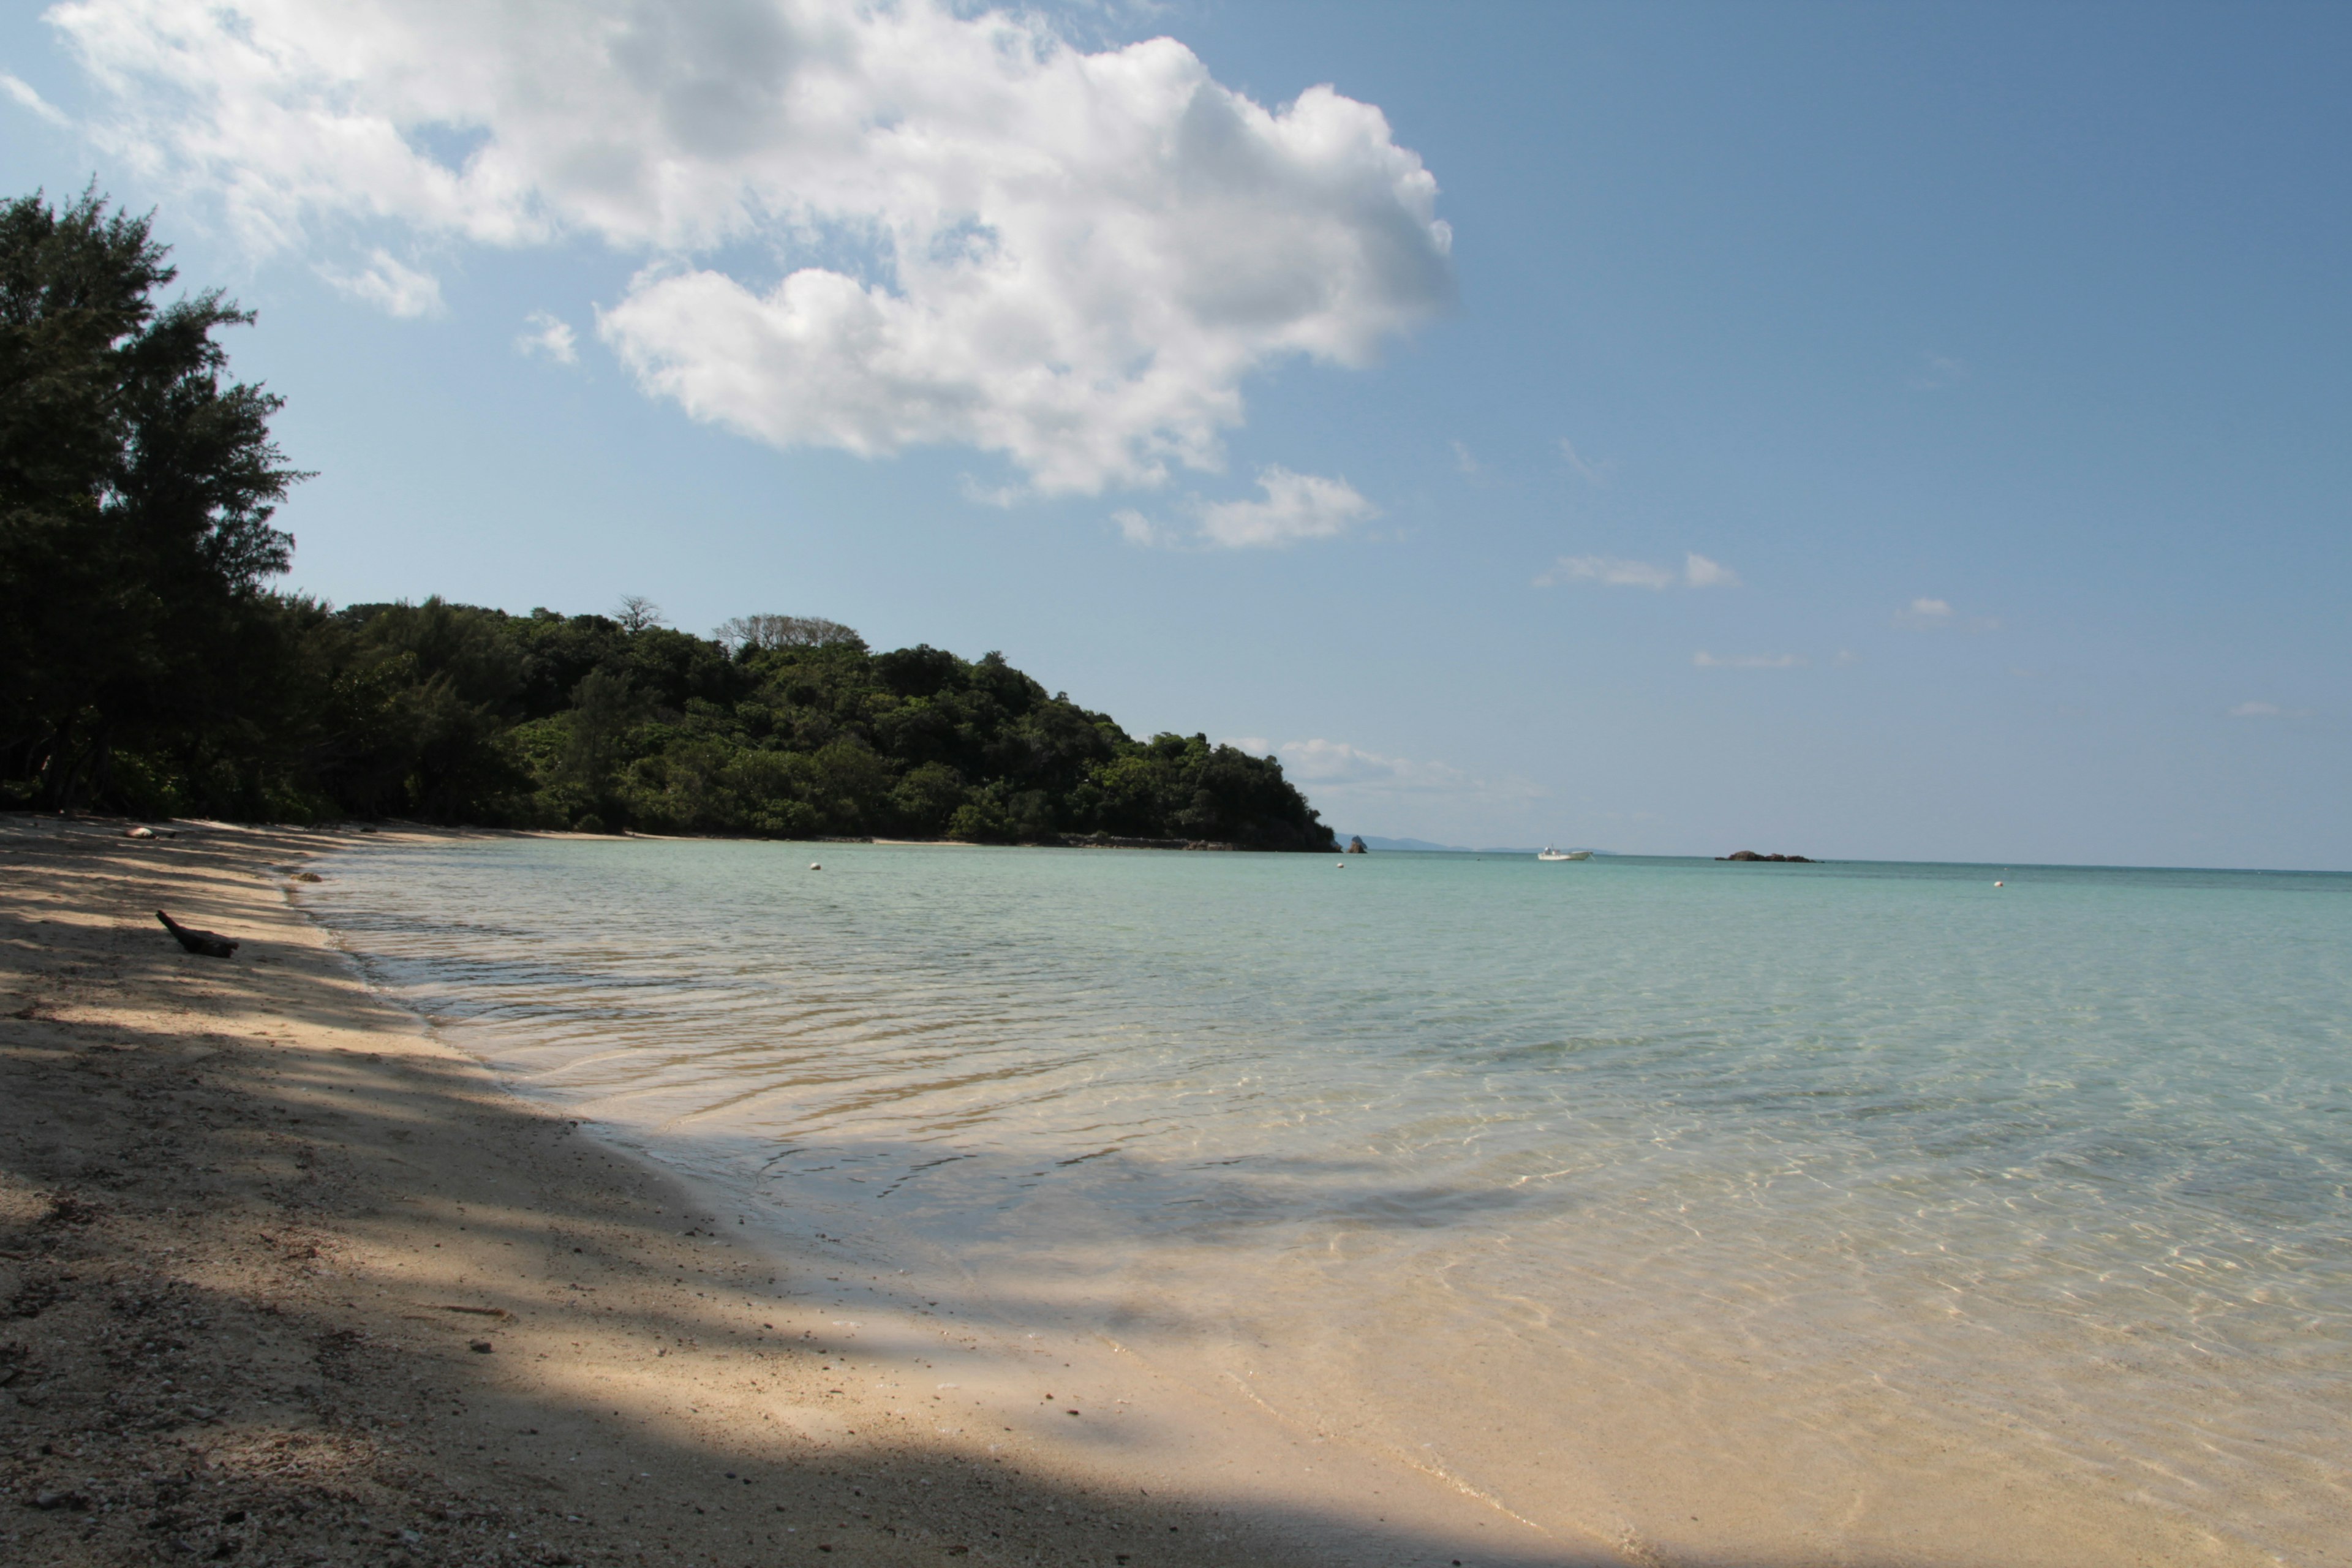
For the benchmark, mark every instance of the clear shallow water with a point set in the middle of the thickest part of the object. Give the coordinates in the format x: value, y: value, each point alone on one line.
x: 1858, y: 1192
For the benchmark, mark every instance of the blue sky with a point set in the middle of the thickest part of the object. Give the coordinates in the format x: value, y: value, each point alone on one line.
x: 1899, y: 432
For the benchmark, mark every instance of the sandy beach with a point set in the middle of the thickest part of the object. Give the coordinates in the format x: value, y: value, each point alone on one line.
x: 283, y: 1278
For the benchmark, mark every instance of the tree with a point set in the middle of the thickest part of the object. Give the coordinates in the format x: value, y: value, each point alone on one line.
x: 136, y: 492
x: 754, y: 634
x: 637, y: 613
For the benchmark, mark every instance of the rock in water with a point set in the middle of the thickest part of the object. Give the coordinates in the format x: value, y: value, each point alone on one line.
x: 210, y: 944
x: 1356, y: 847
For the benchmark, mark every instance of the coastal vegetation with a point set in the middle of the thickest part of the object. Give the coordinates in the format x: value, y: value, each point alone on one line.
x: 148, y: 665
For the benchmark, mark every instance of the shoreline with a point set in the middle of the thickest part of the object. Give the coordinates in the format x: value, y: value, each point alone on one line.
x: 258, y: 1222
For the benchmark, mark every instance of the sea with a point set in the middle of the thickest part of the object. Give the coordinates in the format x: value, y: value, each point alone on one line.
x: 1849, y: 1212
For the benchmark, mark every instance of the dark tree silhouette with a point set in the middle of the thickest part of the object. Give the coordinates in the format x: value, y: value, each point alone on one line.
x: 136, y: 489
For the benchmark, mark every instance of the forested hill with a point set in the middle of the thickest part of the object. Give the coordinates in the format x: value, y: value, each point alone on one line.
x: 146, y: 665
x: 785, y: 726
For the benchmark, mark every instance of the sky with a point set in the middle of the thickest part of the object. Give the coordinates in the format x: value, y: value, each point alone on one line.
x: 1890, y: 432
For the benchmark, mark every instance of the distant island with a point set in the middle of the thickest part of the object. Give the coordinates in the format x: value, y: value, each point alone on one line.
x: 1752, y: 855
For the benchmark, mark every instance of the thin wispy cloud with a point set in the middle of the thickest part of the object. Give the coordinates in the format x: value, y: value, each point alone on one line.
x: 1704, y: 660
x: 1937, y: 370
x: 2267, y: 710
x: 991, y: 237
x: 22, y: 94
x: 550, y: 337
x: 1930, y: 615
x: 1615, y: 571
x: 1592, y: 472
x: 1335, y: 768
x: 1466, y: 462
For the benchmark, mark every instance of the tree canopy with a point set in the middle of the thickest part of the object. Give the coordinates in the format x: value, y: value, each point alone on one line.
x: 136, y: 489
x: 146, y: 665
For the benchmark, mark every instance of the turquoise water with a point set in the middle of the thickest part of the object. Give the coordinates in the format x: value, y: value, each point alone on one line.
x: 1793, y: 1179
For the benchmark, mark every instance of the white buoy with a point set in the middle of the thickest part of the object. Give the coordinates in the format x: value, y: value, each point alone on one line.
x: 814, y: 867
x: 2000, y: 884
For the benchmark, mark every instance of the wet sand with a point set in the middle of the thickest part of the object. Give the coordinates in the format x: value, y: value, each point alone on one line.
x: 283, y: 1278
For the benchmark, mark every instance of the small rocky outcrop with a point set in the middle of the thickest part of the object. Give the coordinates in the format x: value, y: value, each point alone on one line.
x: 1785, y: 860
x: 1356, y: 847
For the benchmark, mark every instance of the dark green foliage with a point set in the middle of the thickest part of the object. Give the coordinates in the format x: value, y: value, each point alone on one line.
x: 457, y: 714
x: 145, y: 667
x: 136, y: 489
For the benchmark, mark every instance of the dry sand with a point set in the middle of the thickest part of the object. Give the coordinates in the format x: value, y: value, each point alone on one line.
x: 284, y: 1279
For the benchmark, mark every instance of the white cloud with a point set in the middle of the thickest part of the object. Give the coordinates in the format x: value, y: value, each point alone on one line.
x: 390, y: 286
x: 1937, y: 370
x: 1354, y: 776
x: 1932, y: 615
x: 1592, y: 472
x: 1467, y: 461
x: 973, y: 232
x: 30, y: 101
x: 1607, y: 569
x: 550, y: 336
x: 1322, y: 762
x: 1137, y: 529
x: 1704, y: 660
x: 1296, y: 507
x: 1697, y: 572
x: 2267, y: 710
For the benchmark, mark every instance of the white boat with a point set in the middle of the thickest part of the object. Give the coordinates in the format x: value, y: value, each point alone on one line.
x: 1551, y: 854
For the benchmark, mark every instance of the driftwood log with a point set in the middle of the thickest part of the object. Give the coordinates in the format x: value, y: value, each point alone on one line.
x: 210, y: 944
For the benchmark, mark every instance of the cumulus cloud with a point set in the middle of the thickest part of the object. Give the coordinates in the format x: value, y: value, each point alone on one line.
x: 863, y: 226
x: 26, y: 97
x: 551, y: 336
x: 390, y: 285
x: 1137, y: 529
x: 1704, y: 660
x: 1697, y: 572
x: 1295, y: 506
x: 1291, y: 507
